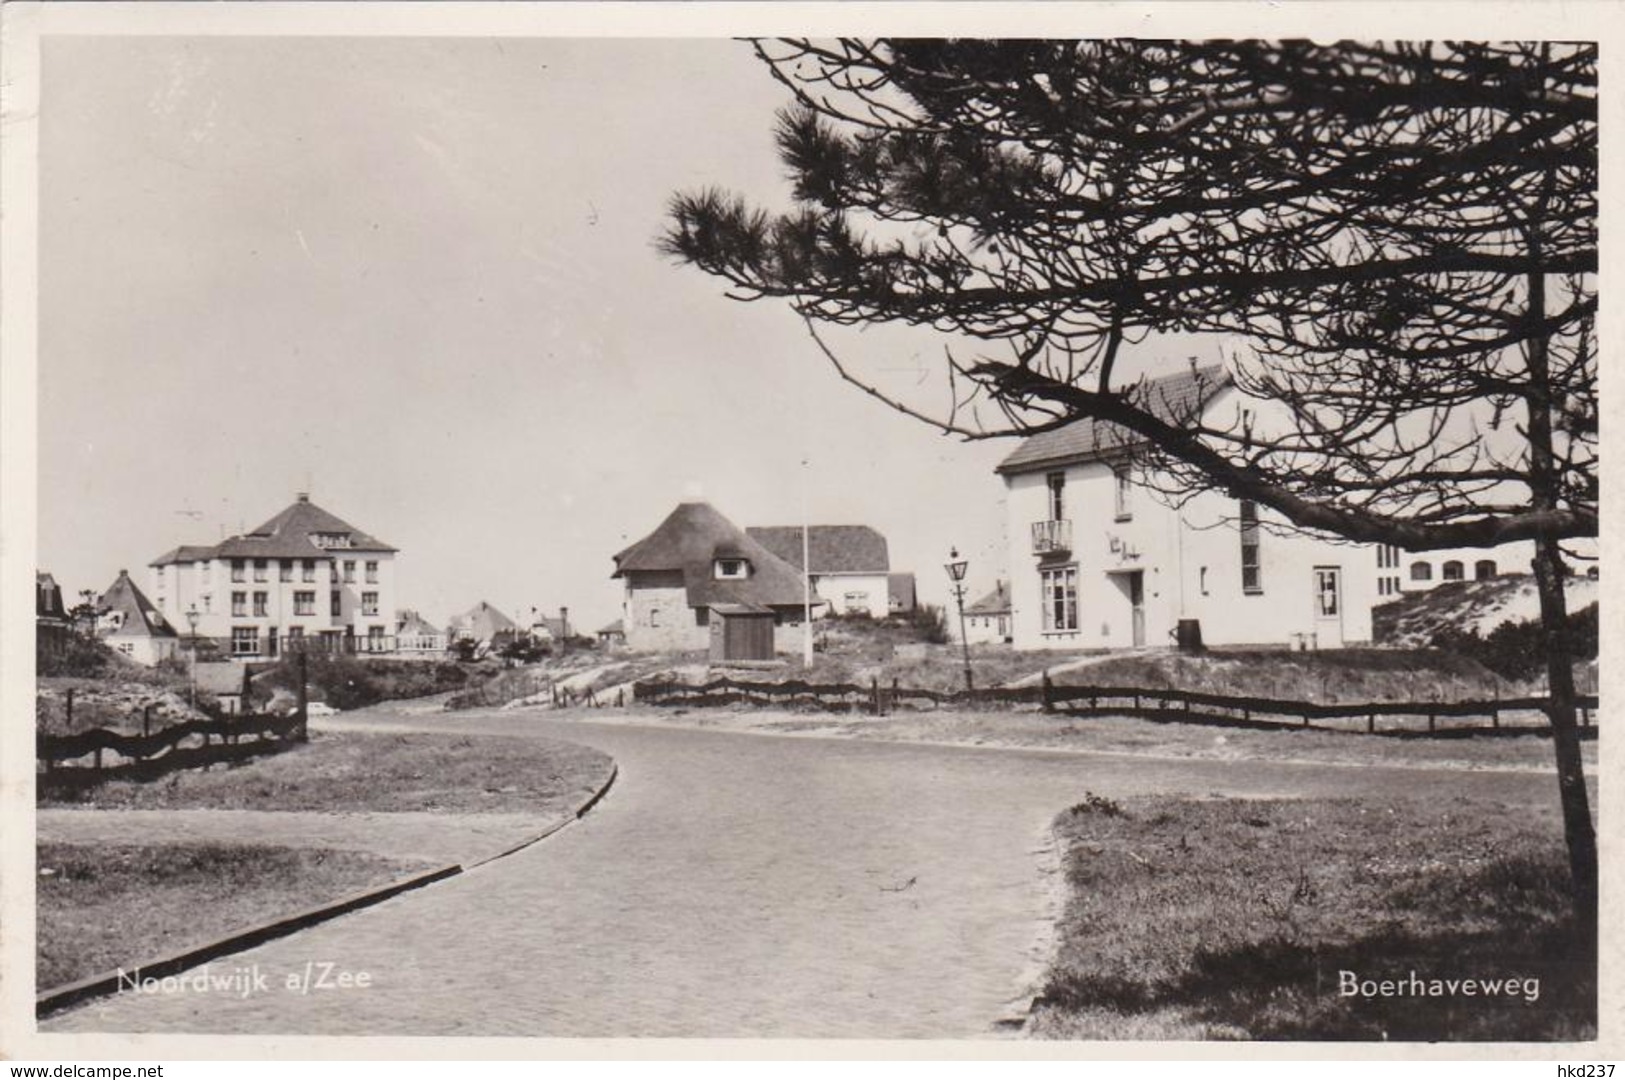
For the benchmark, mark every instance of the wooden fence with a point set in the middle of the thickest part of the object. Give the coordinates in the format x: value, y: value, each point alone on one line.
x: 87, y: 758
x: 1436, y: 719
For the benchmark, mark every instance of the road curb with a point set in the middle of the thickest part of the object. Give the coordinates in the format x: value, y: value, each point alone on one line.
x: 581, y: 811
x: 108, y: 982
x: 59, y: 998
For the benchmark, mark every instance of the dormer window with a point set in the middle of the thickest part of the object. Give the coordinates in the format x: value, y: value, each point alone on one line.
x: 732, y: 569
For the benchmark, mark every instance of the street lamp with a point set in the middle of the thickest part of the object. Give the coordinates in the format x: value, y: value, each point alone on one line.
x: 191, y: 626
x: 956, y: 573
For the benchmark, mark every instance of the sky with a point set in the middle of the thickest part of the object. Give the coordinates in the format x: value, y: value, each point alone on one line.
x: 418, y: 279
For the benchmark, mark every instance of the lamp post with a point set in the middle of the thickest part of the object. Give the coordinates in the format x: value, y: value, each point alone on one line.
x: 191, y: 628
x: 956, y: 573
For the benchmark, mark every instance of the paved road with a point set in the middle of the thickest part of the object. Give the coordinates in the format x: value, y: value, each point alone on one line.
x: 732, y: 885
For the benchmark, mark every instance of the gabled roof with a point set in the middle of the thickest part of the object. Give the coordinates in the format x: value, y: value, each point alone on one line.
x: 996, y: 602
x: 1175, y: 398
x: 483, y: 621
x: 411, y: 623
x: 48, y: 597
x: 140, y: 618
x: 832, y: 549
x: 900, y: 589
x: 616, y: 627
x: 691, y: 539
x: 184, y: 554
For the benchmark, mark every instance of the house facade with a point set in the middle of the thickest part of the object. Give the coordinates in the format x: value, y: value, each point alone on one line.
x: 987, y: 620
x: 484, y: 624
x: 305, y: 576
x: 697, y: 565
x: 1096, y: 561
x: 849, y: 564
x: 128, y: 623
x: 416, y: 636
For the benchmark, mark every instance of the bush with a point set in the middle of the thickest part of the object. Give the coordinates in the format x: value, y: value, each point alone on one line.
x: 930, y: 622
x: 1517, y: 650
x: 348, y: 682
x: 71, y: 655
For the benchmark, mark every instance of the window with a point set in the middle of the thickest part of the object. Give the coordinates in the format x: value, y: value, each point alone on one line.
x: 732, y: 569
x: 239, y: 604
x: 1057, y: 495
x: 1484, y: 568
x: 1125, y: 487
x: 369, y: 603
x: 259, y: 604
x: 304, y: 602
x: 259, y: 569
x: 654, y: 616
x: 160, y: 577
x: 285, y: 570
x: 1252, y: 579
x: 297, y: 633
x: 245, y: 640
x: 349, y: 569
x: 1452, y: 571
x: 203, y: 570
x: 1060, y: 598
x: 1327, y: 591
x: 372, y: 571
x: 127, y: 648
x: 375, y: 638
x: 1421, y: 571
x: 308, y: 570
x: 338, y: 603
x: 237, y: 570
x: 1201, y: 579
x: 208, y: 602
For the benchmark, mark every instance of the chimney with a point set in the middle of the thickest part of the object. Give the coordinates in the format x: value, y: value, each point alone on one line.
x: 564, y: 622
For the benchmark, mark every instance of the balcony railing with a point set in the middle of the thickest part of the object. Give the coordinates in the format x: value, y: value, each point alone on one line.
x: 1052, y: 537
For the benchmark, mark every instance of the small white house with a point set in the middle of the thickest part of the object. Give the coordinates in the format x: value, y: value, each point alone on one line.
x: 987, y: 621
x: 1096, y: 561
x: 128, y: 623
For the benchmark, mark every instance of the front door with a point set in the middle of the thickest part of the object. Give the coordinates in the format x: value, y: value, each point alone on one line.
x: 1328, y: 607
x: 1136, y: 599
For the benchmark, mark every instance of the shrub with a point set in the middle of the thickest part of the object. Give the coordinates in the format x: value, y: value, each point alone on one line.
x: 348, y: 682
x: 930, y: 623
x: 1517, y: 650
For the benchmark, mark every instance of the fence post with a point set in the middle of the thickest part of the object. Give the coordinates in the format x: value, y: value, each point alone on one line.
x: 874, y: 695
x: 891, y: 703
x: 1432, y: 720
x: 70, y: 708
x: 146, y: 720
x: 1371, y: 723
x: 1049, y: 693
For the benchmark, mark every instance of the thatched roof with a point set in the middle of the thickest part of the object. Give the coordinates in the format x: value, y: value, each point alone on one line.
x: 831, y: 549
x: 1175, y: 398
x: 691, y: 539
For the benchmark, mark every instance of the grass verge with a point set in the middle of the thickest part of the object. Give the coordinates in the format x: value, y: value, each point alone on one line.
x: 1232, y: 919
x: 105, y: 906
x: 353, y: 772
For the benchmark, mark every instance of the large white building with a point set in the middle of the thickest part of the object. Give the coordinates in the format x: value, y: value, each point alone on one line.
x: 303, y: 576
x: 1097, y: 562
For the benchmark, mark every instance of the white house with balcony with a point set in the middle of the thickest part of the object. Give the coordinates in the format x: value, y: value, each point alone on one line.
x: 305, y: 576
x: 1097, y: 561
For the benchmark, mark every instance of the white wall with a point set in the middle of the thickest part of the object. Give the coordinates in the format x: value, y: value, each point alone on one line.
x: 1189, y: 566
x: 868, y: 593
